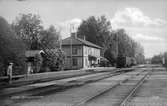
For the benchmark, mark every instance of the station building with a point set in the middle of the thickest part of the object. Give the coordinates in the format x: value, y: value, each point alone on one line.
x: 80, y: 53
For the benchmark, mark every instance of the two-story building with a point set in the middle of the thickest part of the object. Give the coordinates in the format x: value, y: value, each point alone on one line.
x: 80, y: 53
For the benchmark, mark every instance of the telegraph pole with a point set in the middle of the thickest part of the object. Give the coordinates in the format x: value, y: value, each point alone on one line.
x: 71, y: 43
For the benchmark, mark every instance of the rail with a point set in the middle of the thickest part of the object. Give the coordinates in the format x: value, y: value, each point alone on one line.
x: 133, y: 91
x: 89, y: 98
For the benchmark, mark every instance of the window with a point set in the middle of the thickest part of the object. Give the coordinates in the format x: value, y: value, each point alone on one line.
x: 74, y: 50
x: 74, y: 62
x: 86, y: 62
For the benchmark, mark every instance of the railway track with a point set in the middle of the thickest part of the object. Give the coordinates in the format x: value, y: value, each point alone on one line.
x: 42, y: 89
x: 46, y: 77
x: 153, y: 91
x: 127, y: 98
x: 79, y: 95
x: 123, y: 101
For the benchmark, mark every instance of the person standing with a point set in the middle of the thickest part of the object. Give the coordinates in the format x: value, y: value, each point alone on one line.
x: 9, y: 72
x: 29, y: 69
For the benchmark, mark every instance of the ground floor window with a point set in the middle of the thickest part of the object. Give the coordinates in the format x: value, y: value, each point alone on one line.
x: 74, y: 61
x: 86, y: 62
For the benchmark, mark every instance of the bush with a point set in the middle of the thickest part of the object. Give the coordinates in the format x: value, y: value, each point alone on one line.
x: 53, y: 59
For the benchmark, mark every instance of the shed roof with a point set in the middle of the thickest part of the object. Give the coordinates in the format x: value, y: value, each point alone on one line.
x: 32, y: 53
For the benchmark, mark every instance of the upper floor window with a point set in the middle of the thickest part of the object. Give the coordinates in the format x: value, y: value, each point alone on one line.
x: 74, y: 50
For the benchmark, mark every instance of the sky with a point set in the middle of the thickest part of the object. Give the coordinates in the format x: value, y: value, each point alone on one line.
x: 144, y: 20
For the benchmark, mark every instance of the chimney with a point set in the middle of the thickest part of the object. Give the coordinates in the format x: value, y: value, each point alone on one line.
x: 73, y: 34
x: 73, y: 31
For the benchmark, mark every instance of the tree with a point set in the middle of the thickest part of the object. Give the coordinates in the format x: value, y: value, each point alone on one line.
x: 114, y: 43
x: 12, y: 48
x: 165, y: 59
x: 50, y: 38
x: 53, y: 58
x: 123, y: 45
x: 157, y: 59
x: 126, y: 45
x: 96, y: 30
x: 28, y: 28
x: 111, y: 56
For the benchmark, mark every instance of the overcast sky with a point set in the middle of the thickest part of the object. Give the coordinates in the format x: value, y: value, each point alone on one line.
x: 144, y: 20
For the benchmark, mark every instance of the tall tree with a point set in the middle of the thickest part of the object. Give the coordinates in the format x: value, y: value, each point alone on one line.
x: 28, y: 28
x: 12, y: 48
x: 123, y: 45
x: 96, y: 30
x: 111, y: 52
x: 50, y: 38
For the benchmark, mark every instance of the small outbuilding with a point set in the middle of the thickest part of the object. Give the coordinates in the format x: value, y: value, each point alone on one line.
x: 33, y: 60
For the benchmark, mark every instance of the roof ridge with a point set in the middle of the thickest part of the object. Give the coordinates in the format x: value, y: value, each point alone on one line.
x: 85, y: 41
x: 82, y: 41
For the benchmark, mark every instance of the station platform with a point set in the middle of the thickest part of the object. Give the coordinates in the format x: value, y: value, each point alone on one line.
x: 48, y: 76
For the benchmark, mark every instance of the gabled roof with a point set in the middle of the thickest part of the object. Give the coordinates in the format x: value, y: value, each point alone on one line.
x: 32, y: 53
x: 78, y: 41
